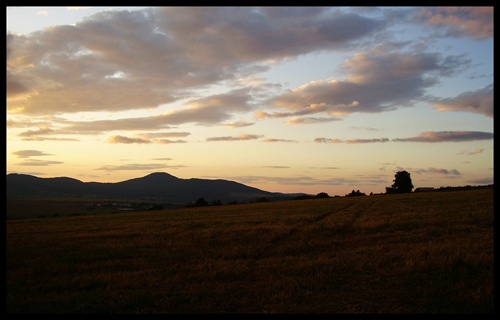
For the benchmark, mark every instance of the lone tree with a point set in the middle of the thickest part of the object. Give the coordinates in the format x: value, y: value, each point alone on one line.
x: 402, y: 183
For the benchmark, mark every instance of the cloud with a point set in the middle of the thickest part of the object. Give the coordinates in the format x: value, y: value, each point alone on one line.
x: 475, y: 22
x: 479, y: 101
x: 29, y: 153
x: 438, y: 171
x: 246, y: 34
x: 162, y: 53
x: 484, y: 181
x: 326, y: 140
x: 448, y: 136
x: 38, y: 163
x: 49, y: 139
x: 310, y: 109
x: 42, y: 131
x: 377, y: 81
x: 168, y: 141
x: 210, y: 110
x: 479, y: 76
x: 27, y: 122
x: 238, y: 124
x: 40, y: 134
x: 296, y: 116
x: 206, y: 111
x: 364, y: 128
x: 429, y: 136
x: 473, y: 152
x: 156, y: 135
x: 243, y: 136
x: 312, y: 181
x: 351, y: 141
x: 276, y: 167
x: 136, y: 166
x: 309, y: 120
x: 127, y: 140
x: 155, y: 122
x: 277, y: 140
x: 355, y: 141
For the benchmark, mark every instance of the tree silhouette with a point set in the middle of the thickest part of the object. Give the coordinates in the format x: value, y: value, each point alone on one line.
x: 356, y: 193
x: 322, y: 195
x: 402, y: 183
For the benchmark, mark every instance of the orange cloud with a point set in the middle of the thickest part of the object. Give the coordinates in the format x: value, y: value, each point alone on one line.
x: 243, y: 136
x: 448, y: 136
x: 127, y: 140
x: 479, y: 101
x: 474, y: 22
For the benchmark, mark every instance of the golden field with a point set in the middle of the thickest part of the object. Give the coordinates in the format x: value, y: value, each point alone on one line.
x: 429, y: 252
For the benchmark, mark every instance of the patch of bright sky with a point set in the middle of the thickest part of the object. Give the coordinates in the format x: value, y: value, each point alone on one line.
x: 310, y: 67
x: 23, y: 20
x: 478, y: 52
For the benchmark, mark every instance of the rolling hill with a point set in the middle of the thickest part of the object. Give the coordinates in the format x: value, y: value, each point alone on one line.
x: 158, y: 186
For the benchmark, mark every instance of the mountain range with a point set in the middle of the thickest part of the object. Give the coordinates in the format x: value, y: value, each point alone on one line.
x: 158, y: 186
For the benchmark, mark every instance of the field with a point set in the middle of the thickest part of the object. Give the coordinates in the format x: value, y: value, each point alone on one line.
x: 410, y: 253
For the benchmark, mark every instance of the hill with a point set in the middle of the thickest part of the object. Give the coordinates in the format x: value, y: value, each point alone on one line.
x: 158, y: 186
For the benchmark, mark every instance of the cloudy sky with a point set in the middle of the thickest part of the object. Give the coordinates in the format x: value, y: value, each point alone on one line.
x: 298, y: 99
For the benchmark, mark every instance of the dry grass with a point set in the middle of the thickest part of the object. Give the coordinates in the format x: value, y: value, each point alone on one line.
x: 413, y: 253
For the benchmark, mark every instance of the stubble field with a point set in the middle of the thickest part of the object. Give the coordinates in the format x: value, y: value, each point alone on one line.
x: 411, y: 253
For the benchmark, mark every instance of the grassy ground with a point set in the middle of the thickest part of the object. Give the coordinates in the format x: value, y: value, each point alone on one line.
x: 411, y: 253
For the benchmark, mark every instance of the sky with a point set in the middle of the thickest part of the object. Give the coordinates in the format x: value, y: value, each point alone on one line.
x: 284, y: 99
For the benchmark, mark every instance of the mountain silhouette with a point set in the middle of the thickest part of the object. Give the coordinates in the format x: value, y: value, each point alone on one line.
x: 158, y: 186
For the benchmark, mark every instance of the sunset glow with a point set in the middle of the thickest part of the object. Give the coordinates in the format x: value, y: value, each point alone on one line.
x: 285, y: 99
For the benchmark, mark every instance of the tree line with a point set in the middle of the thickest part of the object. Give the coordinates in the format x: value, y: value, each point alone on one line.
x: 402, y: 184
